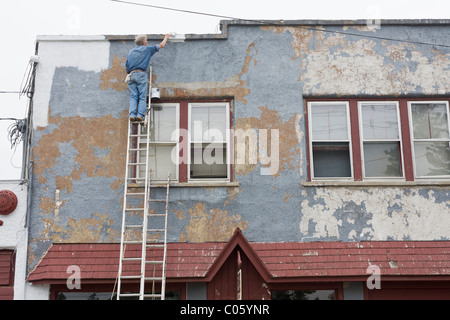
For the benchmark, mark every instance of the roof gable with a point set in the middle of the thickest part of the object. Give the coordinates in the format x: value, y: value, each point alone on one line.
x: 238, y: 240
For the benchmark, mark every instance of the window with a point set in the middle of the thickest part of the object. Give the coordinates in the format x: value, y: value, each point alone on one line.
x: 80, y: 295
x: 391, y: 139
x: 209, y: 154
x: 380, y: 138
x: 303, y: 295
x: 163, y: 146
x: 431, y: 138
x: 190, y: 139
x: 330, y: 140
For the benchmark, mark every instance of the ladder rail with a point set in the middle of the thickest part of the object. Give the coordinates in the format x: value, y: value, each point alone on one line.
x: 122, y: 236
x: 163, y: 282
x: 147, y: 114
x: 146, y: 195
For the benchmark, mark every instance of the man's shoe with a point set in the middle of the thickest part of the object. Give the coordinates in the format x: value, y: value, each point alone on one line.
x: 139, y: 119
x: 132, y: 119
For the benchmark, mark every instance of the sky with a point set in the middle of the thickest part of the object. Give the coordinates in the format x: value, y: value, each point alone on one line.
x: 22, y: 20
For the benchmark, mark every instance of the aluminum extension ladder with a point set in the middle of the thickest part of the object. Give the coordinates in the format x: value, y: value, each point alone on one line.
x: 133, y: 259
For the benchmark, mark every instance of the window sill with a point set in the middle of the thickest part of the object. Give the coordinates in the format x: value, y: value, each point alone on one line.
x: 212, y: 184
x: 437, y: 183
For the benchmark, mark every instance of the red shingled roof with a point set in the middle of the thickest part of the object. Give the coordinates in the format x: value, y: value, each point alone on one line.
x: 274, y: 261
x: 394, y: 258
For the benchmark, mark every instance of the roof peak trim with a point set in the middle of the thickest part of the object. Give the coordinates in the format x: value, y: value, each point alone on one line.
x: 238, y: 240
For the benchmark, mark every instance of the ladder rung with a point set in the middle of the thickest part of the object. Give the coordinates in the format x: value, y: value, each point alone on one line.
x: 137, y: 149
x: 154, y: 295
x: 138, y: 135
x: 132, y: 242
x: 129, y: 294
x: 143, y: 179
x: 153, y: 279
x: 157, y: 215
x: 135, y: 193
x: 157, y: 200
x: 130, y: 226
x: 131, y: 259
x: 134, y: 209
x: 130, y: 277
x: 136, y: 164
x: 154, y: 262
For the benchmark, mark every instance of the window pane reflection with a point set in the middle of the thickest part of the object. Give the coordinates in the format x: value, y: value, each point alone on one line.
x: 304, y: 295
x: 382, y: 159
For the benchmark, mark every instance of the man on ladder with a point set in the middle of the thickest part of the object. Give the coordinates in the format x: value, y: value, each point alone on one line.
x: 138, y: 60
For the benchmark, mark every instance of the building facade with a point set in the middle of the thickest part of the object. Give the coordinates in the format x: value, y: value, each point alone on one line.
x: 13, y: 239
x: 309, y: 159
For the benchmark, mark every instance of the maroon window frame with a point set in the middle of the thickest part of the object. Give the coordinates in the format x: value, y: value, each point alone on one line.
x: 406, y: 152
x: 184, y: 116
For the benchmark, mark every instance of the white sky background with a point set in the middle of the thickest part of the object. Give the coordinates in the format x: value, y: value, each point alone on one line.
x: 22, y: 20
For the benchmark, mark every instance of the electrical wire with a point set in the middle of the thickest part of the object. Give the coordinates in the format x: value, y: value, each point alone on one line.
x: 27, y: 81
x: 16, y: 132
x: 26, y: 86
x: 173, y: 9
x: 9, y: 119
x: 281, y: 23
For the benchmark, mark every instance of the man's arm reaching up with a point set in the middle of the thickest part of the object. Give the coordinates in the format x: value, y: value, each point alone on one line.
x: 163, y: 43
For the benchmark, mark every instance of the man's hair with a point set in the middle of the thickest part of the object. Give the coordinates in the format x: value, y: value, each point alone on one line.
x: 140, y: 39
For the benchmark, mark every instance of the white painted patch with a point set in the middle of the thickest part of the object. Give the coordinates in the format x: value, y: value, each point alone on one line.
x: 177, y: 38
x: 83, y: 55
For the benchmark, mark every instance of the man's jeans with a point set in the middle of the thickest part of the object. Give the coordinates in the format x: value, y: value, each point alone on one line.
x: 138, y: 84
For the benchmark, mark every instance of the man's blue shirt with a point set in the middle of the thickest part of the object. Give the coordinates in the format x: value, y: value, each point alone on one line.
x: 139, y: 57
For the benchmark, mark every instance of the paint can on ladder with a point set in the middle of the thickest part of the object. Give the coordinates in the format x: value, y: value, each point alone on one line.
x: 155, y: 93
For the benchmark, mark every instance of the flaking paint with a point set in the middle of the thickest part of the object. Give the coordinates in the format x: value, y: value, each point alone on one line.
x: 211, y: 225
x: 113, y: 78
x: 289, y: 150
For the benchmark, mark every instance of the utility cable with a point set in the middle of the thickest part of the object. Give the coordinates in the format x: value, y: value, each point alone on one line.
x: 282, y: 24
x: 28, y: 79
x: 173, y: 9
x: 16, y: 132
x: 9, y: 119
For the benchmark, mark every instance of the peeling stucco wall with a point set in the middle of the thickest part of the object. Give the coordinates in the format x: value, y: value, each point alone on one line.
x: 376, y: 214
x: 339, y: 64
x: 79, y: 145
